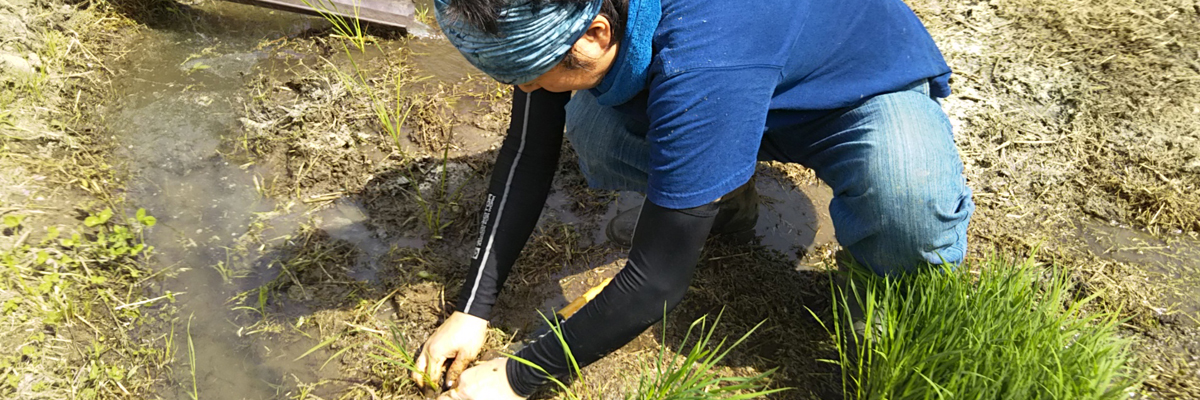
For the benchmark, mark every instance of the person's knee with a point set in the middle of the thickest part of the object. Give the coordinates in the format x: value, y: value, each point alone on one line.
x: 612, y: 150
x: 914, y: 227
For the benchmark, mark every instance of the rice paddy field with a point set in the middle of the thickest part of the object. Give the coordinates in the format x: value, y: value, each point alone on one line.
x: 208, y: 200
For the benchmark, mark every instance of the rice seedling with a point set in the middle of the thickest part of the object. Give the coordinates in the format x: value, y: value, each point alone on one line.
x: 565, y: 388
x: 390, y: 116
x: 349, y: 29
x: 1012, y: 332
x: 674, y: 376
x: 440, y: 200
x: 693, y: 376
x: 389, y: 348
x: 423, y: 16
x: 260, y: 305
x: 393, y: 351
x: 195, y: 393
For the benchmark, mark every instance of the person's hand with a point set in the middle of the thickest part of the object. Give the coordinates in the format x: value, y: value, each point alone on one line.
x: 460, y: 338
x: 487, y: 381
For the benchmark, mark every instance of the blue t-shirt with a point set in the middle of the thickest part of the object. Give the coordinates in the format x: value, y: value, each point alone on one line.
x: 723, y: 72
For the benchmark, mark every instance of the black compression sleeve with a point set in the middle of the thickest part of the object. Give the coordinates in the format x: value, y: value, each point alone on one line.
x: 666, y: 248
x: 520, y: 182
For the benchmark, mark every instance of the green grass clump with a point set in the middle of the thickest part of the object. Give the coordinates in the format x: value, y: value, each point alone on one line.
x: 1012, y: 332
x: 388, y: 107
x: 692, y: 376
x: 673, y: 376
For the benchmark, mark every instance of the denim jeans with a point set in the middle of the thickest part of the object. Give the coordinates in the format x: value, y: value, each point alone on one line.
x: 900, y: 197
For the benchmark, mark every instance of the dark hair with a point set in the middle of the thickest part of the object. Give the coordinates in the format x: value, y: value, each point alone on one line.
x: 483, y: 14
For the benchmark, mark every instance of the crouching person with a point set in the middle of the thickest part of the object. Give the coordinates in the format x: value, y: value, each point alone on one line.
x: 678, y: 99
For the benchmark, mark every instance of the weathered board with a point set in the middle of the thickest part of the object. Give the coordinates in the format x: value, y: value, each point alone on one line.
x: 393, y: 13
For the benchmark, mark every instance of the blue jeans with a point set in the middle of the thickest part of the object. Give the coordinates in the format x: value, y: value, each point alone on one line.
x: 900, y: 197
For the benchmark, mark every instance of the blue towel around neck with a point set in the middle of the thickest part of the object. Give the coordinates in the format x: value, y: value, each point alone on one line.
x: 629, y: 72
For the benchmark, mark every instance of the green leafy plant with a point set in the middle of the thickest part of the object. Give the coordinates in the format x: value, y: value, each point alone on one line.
x: 101, y: 261
x: 109, y: 241
x: 1013, y: 332
x: 50, y: 271
x: 13, y: 221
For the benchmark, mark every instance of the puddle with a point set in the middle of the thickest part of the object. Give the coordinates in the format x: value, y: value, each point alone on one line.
x: 794, y: 220
x: 178, y: 106
x: 1176, y: 261
x: 559, y: 205
x: 439, y: 58
x: 346, y: 220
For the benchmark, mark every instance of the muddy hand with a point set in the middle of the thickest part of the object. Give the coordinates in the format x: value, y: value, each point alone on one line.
x: 486, y: 381
x: 459, y: 339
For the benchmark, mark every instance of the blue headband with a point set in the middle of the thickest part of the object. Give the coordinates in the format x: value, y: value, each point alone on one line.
x: 533, y: 38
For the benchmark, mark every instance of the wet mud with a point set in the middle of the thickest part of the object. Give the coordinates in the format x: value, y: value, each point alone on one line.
x: 304, y: 234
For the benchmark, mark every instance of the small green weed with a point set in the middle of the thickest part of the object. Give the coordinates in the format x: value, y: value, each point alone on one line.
x: 56, y: 282
x: 260, y: 305
x: 49, y: 272
x: 7, y: 119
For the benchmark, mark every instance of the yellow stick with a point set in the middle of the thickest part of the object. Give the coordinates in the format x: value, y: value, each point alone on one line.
x: 574, y: 306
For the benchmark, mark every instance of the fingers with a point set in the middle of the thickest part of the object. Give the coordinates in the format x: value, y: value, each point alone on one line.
x: 429, y: 370
x: 457, y: 367
x: 417, y: 375
x: 433, y: 370
x: 454, y: 394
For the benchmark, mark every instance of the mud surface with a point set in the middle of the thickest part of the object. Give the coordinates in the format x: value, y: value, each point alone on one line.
x: 310, y: 237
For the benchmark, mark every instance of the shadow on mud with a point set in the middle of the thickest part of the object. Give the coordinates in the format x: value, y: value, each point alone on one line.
x: 369, y: 256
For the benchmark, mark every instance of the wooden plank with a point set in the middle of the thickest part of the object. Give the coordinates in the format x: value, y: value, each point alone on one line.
x: 392, y: 13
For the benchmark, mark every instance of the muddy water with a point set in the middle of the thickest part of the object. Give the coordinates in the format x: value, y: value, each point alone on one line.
x: 179, y: 110
x: 179, y: 106
x: 794, y: 220
x: 1175, y: 262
